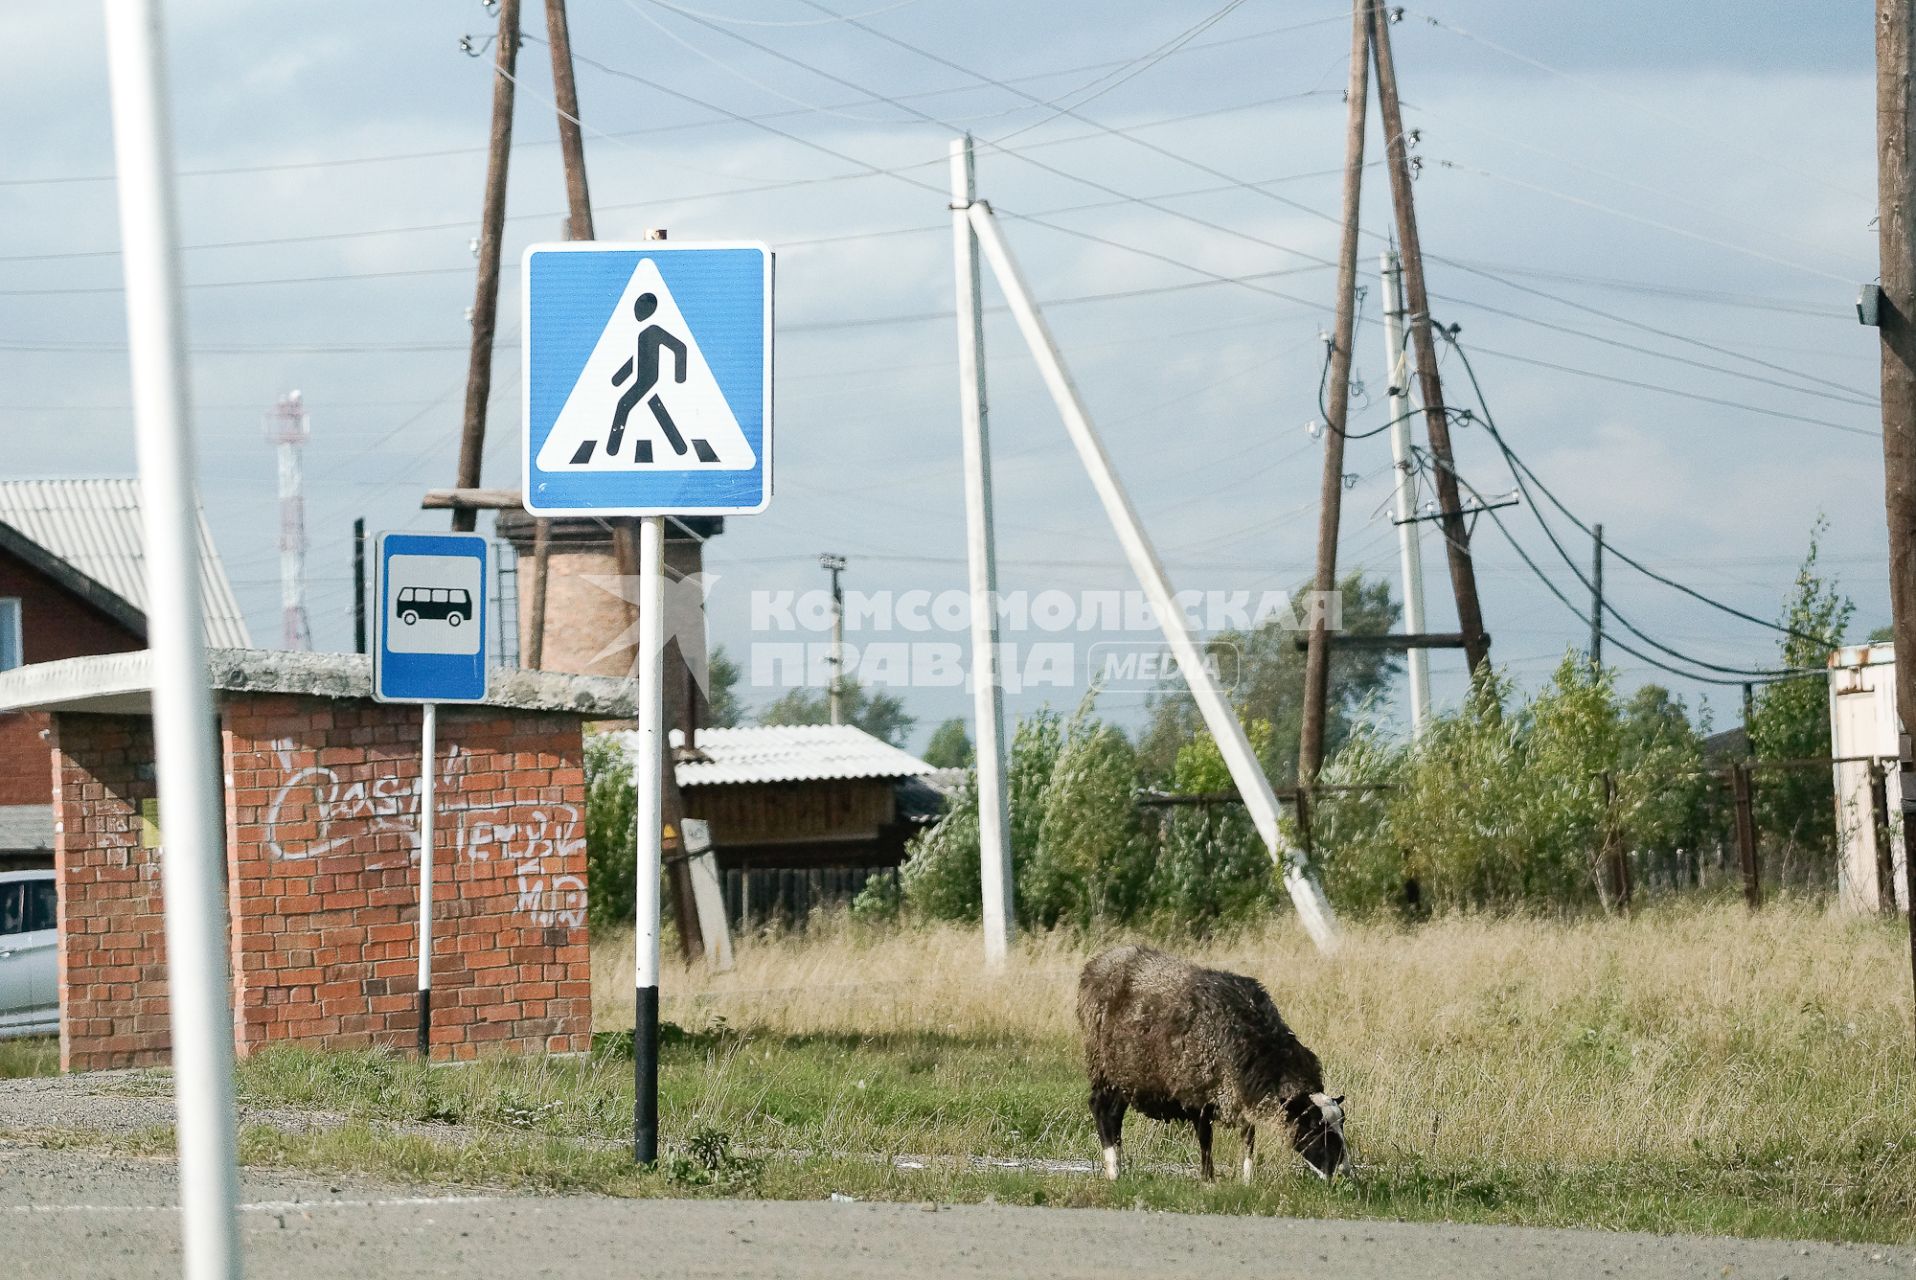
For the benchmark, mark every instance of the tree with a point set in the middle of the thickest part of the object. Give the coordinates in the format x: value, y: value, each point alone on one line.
x: 722, y: 709
x: 611, y: 831
x: 1270, y: 684
x: 1796, y: 808
x: 879, y: 714
x: 950, y: 746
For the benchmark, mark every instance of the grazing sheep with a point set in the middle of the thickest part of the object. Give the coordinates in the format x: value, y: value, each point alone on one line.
x: 1183, y: 1043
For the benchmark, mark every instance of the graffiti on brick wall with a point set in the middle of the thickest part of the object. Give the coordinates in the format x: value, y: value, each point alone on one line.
x: 537, y: 848
x: 340, y: 810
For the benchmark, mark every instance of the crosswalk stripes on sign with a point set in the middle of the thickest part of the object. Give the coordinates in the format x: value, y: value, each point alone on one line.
x: 647, y: 378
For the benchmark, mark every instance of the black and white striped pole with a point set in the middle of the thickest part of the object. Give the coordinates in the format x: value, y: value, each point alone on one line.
x: 428, y: 748
x: 647, y: 783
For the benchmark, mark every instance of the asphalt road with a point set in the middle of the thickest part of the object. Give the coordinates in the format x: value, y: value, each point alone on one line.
x: 85, y: 1214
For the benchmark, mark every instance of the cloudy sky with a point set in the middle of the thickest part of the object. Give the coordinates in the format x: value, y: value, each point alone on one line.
x: 1649, y: 220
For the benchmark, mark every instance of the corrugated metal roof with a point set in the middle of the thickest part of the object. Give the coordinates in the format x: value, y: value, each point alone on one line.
x: 25, y: 827
x: 792, y: 753
x: 94, y: 525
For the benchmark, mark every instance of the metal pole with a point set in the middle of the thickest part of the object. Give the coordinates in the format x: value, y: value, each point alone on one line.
x: 485, y: 300
x: 1252, y: 785
x: 648, y: 783
x: 359, y: 585
x: 1896, y: 222
x: 1410, y: 538
x: 1463, y: 571
x: 1596, y: 599
x: 1330, y: 499
x: 193, y: 871
x: 428, y: 749
x: 987, y: 696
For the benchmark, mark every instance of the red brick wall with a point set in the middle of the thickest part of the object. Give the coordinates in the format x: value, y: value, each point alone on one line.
x: 112, y: 945
x: 54, y: 624
x: 322, y: 814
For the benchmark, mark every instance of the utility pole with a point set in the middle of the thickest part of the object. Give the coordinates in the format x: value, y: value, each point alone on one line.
x: 565, y: 98
x: 485, y: 300
x: 289, y: 431
x: 359, y: 584
x: 1410, y: 538
x: 1896, y: 311
x: 1596, y: 600
x: 834, y: 692
x: 1330, y: 500
x: 1463, y: 574
x: 988, y: 708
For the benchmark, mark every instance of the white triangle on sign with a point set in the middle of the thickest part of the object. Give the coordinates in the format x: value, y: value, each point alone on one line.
x: 680, y: 422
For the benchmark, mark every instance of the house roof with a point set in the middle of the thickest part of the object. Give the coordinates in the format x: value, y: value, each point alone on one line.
x: 26, y: 827
x: 88, y: 534
x: 790, y: 753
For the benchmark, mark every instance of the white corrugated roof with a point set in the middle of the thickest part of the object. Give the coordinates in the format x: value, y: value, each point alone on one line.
x: 94, y: 525
x: 792, y: 753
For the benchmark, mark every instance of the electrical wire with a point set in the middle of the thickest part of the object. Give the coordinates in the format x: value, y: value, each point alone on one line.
x: 1520, y: 469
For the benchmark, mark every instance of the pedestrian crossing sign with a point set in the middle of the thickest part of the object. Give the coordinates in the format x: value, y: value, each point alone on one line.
x: 647, y: 378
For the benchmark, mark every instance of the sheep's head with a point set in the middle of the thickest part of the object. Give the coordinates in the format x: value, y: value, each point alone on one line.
x: 1316, y: 1124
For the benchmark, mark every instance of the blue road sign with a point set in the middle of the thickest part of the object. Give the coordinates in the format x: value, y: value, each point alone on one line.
x: 431, y: 624
x: 648, y: 378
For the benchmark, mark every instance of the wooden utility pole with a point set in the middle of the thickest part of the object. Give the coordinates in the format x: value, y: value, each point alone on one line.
x: 578, y: 198
x: 565, y: 96
x: 1596, y: 600
x: 485, y: 299
x: 1463, y: 574
x: 1896, y: 316
x: 1330, y: 501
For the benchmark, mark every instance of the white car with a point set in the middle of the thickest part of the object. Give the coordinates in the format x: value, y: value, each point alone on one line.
x: 29, y: 977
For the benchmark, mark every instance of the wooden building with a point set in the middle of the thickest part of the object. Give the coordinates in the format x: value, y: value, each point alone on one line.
x: 802, y: 815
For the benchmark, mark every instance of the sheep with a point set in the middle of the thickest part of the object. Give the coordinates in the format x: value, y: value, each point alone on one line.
x: 1183, y: 1043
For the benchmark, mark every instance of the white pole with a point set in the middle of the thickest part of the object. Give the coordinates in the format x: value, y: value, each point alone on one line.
x: 1253, y: 787
x: 201, y: 1009
x: 428, y: 751
x: 988, y: 710
x: 1410, y: 551
x: 647, y: 766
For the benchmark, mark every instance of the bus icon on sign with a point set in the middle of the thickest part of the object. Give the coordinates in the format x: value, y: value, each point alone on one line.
x: 452, y: 605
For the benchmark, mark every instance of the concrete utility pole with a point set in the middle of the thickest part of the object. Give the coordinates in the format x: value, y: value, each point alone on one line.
x: 835, y: 565
x: 1410, y: 538
x: 1896, y: 220
x: 1330, y: 500
x: 199, y: 998
x: 289, y: 428
x: 1596, y: 599
x: 1463, y: 574
x: 485, y: 299
x: 988, y: 708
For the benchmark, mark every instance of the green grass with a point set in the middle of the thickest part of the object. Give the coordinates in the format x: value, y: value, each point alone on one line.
x: 1694, y: 1069
x: 24, y: 1056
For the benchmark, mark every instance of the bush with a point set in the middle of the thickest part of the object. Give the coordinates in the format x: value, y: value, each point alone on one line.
x: 611, y: 832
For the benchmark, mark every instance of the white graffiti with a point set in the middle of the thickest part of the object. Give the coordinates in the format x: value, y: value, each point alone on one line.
x: 340, y: 811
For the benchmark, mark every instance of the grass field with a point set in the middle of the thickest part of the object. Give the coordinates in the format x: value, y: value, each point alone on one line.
x: 1692, y: 1069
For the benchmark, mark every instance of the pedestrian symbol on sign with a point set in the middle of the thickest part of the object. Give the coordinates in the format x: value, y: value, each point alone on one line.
x: 685, y: 423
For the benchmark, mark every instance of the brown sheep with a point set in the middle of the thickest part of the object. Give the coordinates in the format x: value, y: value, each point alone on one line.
x: 1183, y: 1043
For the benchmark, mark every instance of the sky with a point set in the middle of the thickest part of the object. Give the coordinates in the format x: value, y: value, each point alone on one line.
x: 1650, y: 222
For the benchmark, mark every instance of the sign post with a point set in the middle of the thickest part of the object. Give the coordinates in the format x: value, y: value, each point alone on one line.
x: 432, y: 628
x: 648, y: 393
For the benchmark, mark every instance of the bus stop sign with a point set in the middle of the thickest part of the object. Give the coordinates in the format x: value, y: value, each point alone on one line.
x: 430, y: 618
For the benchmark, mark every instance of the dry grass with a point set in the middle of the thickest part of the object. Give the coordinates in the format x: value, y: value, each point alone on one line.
x: 1777, y: 1046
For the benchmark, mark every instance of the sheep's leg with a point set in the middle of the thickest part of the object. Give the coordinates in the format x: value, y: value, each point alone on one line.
x: 1250, y: 1151
x: 1203, y: 1126
x: 1107, y: 1108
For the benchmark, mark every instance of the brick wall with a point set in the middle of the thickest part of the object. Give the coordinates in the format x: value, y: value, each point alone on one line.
x: 112, y: 946
x: 321, y: 823
x: 322, y: 815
